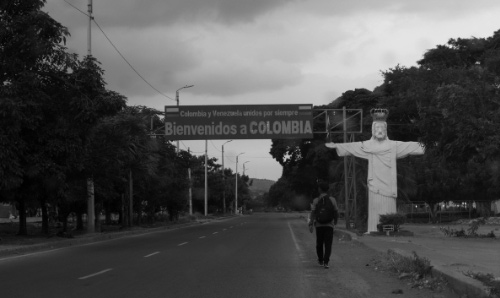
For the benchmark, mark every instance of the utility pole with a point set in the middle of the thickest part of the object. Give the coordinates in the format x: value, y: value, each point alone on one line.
x: 236, y: 188
x: 244, y: 175
x: 206, y: 177
x: 90, y: 180
x: 224, y: 179
x: 190, y: 185
x: 89, y: 35
x: 131, y: 198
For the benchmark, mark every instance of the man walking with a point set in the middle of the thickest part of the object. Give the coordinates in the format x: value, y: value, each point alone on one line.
x: 324, y: 215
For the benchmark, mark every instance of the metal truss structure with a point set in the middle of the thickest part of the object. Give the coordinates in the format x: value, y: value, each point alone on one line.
x: 348, y: 122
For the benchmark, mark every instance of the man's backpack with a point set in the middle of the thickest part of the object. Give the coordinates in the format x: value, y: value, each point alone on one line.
x: 325, y: 211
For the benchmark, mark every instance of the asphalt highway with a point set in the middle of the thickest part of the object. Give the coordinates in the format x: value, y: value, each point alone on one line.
x: 261, y: 255
x: 251, y: 255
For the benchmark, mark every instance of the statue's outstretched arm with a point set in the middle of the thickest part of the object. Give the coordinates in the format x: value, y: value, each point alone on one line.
x: 345, y: 149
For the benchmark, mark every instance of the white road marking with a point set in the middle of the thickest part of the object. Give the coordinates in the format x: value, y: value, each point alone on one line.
x: 152, y: 254
x: 293, y: 237
x: 215, y: 233
x: 202, y: 237
x: 182, y: 243
x: 224, y: 229
x: 97, y: 273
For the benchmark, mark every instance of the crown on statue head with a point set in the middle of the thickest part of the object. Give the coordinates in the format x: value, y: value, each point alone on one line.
x: 379, y: 114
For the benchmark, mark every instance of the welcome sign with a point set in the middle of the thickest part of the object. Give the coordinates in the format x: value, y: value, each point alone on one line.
x: 239, y: 122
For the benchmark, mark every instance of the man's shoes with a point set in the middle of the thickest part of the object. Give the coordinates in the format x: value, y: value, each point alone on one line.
x: 320, y: 263
x: 326, y: 265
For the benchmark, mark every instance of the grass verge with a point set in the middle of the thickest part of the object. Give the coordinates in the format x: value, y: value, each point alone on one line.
x: 488, y: 280
x: 416, y: 270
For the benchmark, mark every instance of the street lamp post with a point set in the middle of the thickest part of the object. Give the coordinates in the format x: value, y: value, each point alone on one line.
x: 244, y: 175
x: 236, y: 188
x: 224, y: 179
x: 189, y: 168
x: 177, y: 100
x: 206, y: 177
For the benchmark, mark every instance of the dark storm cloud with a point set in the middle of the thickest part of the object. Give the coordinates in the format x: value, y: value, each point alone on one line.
x: 237, y: 77
x: 345, y: 8
x: 232, y: 47
x: 147, y: 13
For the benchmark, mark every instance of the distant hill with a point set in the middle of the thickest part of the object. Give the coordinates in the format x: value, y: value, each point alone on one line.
x: 260, y: 186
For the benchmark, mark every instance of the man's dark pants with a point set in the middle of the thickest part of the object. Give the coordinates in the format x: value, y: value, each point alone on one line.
x: 324, y: 239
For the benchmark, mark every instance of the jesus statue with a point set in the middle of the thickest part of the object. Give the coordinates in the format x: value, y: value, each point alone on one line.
x: 381, y: 154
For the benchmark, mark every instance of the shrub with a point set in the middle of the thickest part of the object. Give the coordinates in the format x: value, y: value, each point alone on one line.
x: 471, y: 231
x: 418, y: 270
x: 474, y: 226
x: 395, y: 219
x: 452, y: 232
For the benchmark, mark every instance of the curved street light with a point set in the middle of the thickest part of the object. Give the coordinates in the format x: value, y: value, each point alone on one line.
x: 177, y: 100
x: 177, y: 92
x: 190, y: 199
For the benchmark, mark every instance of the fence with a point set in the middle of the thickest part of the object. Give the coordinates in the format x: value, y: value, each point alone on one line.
x: 447, y: 211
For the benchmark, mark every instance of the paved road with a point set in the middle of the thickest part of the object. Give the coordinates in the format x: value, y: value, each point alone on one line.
x: 263, y: 255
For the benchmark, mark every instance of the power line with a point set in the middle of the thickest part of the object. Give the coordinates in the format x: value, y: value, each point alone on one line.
x: 225, y: 156
x: 184, y: 145
x: 121, y: 55
x: 213, y: 145
x: 192, y: 152
x: 197, y: 153
x: 129, y: 62
x: 77, y: 8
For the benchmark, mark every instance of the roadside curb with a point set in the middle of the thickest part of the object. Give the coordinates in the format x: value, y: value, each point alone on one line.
x: 461, y: 284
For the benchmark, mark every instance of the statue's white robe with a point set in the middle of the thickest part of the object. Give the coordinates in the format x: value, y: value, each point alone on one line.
x: 382, y: 175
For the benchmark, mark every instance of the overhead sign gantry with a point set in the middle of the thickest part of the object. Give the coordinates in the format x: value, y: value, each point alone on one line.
x: 287, y: 121
x: 212, y: 122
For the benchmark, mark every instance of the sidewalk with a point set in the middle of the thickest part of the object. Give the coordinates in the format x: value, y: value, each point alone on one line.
x: 450, y: 256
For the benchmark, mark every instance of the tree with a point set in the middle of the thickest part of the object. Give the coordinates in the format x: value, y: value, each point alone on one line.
x: 50, y: 101
x: 33, y: 60
x: 453, y: 100
x: 139, y: 163
x: 280, y: 194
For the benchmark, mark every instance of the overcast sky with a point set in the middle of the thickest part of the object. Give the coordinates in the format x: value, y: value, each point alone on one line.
x: 261, y: 51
